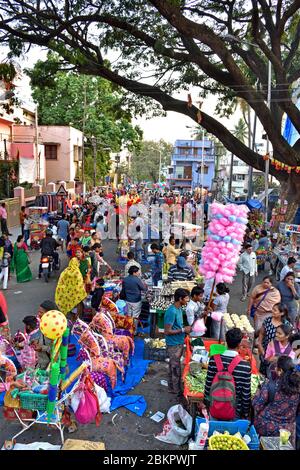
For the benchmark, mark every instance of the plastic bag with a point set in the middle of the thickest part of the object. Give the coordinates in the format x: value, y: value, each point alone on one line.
x: 104, y: 400
x: 172, y: 433
x: 88, y: 408
x: 75, y: 400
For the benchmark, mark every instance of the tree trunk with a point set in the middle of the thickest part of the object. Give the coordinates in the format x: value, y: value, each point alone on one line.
x: 290, y: 190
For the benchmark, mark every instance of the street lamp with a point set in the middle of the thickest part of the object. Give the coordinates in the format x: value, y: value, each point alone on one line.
x: 230, y: 37
x: 159, y: 171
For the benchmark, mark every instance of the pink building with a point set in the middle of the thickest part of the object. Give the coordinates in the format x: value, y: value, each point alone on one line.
x: 63, y: 152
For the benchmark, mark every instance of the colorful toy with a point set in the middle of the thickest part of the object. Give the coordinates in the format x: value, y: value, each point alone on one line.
x: 225, y: 235
x: 53, y: 324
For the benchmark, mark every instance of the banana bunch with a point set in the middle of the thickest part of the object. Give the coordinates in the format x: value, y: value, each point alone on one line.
x: 158, y: 343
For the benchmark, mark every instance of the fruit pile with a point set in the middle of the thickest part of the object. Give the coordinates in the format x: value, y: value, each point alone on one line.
x: 226, y: 442
x: 241, y: 322
x: 156, y: 343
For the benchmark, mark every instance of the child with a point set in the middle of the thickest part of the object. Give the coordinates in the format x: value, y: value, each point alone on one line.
x: 281, y: 344
x: 28, y: 357
x: 86, y: 267
x: 195, y: 308
x: 73, y: 246
x: 5, y: 261
x: 97, y: 294
x: 85, y: 241
x: 220, y: 304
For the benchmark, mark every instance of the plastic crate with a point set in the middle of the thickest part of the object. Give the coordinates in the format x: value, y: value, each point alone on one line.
x: 10, y: 415
x: 241, y: 425
x: 33, y: 401
x: 154, y: 354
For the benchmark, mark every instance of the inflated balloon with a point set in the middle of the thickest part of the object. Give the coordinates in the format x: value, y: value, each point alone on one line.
x: 53, y: 324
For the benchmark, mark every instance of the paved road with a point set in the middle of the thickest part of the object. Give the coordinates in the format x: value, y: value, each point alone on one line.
x: 127, y: 431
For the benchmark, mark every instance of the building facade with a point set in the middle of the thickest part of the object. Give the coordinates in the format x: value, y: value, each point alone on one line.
x: 185, y: 169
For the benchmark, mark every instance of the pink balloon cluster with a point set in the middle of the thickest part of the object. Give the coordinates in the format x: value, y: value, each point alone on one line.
x: 225, y: 235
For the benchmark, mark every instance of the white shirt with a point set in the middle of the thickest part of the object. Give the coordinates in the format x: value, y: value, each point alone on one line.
x: 248, y: 263
x: 286, y: 269
x: 193, y: 310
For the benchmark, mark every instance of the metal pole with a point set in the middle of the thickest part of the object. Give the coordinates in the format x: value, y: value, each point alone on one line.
x: 267, y: 162
x: 230, y: 177
x: 37, y: 146
x: 95, y: 158
x: 159, y: 166
x: 250, y: 181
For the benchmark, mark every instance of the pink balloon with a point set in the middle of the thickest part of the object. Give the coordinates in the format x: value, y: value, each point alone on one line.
x: 224, y: 222
x: 219, y: 278
x: 209, y: 275
x: 227, y: 279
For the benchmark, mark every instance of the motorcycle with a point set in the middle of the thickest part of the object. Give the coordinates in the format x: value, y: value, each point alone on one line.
x: 47, y: 266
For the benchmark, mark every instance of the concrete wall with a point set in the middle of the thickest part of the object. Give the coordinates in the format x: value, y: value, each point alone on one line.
x: 62, y: 169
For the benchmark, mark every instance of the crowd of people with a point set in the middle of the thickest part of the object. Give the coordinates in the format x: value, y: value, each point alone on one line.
x: 273, y: 308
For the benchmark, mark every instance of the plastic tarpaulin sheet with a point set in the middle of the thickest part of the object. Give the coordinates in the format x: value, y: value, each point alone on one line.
x: 290, y: 134
x: 250, y: 203
x: 27, y: 170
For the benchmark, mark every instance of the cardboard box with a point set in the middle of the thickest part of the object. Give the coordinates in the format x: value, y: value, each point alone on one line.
x: 77, y: 444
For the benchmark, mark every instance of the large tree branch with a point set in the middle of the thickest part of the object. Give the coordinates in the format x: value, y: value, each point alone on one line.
x: 287, y: 15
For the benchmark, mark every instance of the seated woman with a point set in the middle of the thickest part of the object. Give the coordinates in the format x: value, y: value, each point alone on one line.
x: 276, y: 403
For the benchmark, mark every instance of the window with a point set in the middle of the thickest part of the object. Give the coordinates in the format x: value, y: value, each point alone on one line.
x: 51, y: 152
x: 239, y: 177
x: 75, y: 153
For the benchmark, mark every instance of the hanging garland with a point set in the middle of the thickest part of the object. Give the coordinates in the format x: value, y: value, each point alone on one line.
x: 279, y: 166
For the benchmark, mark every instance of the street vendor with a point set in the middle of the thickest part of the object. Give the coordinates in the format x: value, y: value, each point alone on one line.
x: 175, y: 332
x: 195, y: 308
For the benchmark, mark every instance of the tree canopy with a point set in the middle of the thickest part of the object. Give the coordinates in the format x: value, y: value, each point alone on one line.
x: 145, y: 162
x: 90, y: 104
x: 162, y: 46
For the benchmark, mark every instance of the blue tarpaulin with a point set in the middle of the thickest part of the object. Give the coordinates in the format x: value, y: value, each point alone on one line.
x: 250, y: 203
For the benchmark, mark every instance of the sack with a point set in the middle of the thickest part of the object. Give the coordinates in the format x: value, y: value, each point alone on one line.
x: 222, y: 395
x: 88, y: 408
x: 172, y: 433
x: 104, y: 400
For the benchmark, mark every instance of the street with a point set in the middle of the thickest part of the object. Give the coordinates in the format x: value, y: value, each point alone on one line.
x: 121, y: 429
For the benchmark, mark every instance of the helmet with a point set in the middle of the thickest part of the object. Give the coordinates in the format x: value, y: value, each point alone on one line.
x: 49, y: 233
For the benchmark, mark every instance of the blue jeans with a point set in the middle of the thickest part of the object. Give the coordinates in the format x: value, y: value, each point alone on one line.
x: 26, y: 235
x: 298, y: 427
x: 156, y: 277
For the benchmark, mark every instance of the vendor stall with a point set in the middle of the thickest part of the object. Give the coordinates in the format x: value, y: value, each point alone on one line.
x: 288, y: 246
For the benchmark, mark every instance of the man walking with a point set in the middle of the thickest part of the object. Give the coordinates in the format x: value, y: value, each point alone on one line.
x: 248, y: 266
x: 157, y: 265
x: 63, y: 230
x: 3, y: 216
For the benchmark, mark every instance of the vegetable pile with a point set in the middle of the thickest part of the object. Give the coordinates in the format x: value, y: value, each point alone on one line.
x: 195, y: 379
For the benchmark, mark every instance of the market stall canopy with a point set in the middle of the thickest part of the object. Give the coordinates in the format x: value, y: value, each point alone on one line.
x: 186, y: 229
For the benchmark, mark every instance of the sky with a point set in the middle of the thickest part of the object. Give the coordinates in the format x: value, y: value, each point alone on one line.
x: 173, y: 126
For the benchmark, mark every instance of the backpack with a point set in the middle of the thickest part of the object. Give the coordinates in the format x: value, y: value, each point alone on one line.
x: 222, y: 395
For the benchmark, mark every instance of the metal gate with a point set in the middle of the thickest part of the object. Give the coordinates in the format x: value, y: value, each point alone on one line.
x: 13, y: 207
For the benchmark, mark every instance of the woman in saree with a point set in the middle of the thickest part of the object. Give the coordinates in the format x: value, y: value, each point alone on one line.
x: 70, y: 291
x: 20, y: 261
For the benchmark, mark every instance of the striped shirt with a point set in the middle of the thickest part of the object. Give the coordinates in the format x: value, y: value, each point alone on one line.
x: 242, y: 378
x: 180, y: 274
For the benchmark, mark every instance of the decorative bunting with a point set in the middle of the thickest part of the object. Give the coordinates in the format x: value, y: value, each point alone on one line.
x: 279, y: 166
